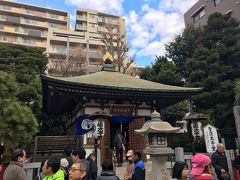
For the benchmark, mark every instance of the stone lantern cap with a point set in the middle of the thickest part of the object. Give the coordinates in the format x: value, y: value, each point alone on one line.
x: 196, y: 117
x: 156, y: 125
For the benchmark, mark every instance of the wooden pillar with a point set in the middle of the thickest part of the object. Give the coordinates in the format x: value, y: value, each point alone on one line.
x: 137, y: 142
x: 105, y: 142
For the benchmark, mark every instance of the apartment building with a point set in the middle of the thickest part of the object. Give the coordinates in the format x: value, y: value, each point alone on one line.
x: 87, y: 34
x: 198, y: 14
x: 62, y: 44
x: 49, y: 28
x: 27, y: 24
x: 94, y: 22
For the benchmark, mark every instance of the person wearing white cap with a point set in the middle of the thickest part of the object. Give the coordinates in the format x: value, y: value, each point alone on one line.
x: 130, y: 165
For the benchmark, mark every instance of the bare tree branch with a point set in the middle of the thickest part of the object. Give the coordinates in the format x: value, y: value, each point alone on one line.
x: 73, y: 65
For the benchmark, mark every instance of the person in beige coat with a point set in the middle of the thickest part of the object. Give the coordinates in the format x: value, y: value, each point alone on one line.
x: 15, y: 168
x: 130, y: 165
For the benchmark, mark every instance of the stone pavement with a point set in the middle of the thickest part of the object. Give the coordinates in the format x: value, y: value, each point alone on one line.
x: 120, y: 171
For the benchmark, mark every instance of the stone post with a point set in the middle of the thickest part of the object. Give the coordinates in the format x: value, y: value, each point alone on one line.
x: 236, y: 111
x: 159, y: 168
x: 179, y: 154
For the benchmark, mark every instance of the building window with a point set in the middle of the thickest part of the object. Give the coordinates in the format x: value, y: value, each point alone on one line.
x: 3, y: 38
x: 15, y: 39
x: 81, y: 26
x: 53, y: 16
x: 93, y: 16
x: 198, y: 15
x: 93, y: 25
x: 8, y: 8
x: 17, y: 29
x: 28, y: 11
x: 2, y: 17
x: 115, y: 21
x: 216, y: 2
x: 52, y: 25
x: 31, y: 21
x: 29, y: 42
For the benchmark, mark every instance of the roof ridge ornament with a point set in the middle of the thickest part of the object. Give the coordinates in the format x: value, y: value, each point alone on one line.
x: 108, y: 63
x: 107, y: 58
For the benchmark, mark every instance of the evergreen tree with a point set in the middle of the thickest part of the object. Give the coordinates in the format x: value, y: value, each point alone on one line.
x: 215, y: 66
x: 26, y: 64
x: 17, y: 122
x: 212, y: 62
x: 162, y: 71
x: 182, y: 48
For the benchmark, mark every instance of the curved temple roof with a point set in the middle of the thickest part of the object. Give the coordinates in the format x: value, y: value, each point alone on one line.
x: 116, y: 80
x: 61, y: 94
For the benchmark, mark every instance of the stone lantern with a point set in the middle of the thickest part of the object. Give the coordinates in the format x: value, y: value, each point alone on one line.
x: 156, y: 132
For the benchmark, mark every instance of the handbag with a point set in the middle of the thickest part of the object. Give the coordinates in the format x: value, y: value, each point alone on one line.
x: 123, y: 147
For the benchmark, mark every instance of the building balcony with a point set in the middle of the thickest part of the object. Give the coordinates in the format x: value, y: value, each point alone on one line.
x: 81, y: 18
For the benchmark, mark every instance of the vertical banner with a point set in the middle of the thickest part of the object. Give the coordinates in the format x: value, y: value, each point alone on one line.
x: 211, y: 138
x: 196, y: 129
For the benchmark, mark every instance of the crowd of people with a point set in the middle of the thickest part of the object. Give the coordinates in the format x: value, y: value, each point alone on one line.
x: 76, y: 167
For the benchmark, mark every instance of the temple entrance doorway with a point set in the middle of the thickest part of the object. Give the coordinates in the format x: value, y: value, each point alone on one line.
x: 124, y: 128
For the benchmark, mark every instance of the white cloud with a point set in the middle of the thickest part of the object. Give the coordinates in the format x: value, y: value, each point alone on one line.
x: 108, y: 6
x: 72, y: 19
x: 151, y: 28
x: 154, y: 48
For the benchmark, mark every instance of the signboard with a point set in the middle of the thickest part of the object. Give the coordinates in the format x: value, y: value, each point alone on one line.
x: 197, y: 129
x: 122, y: 109
x: 211, y: 138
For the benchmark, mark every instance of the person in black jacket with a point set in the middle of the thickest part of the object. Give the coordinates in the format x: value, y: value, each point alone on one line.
x: 118, y: 145
x: 219, y: 162
x: 92, y: 166
x: 139, y: 167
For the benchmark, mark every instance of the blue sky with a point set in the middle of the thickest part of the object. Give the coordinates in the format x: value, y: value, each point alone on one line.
x: 150, y: 24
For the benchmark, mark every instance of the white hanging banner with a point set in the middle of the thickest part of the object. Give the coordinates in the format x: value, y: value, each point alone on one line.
x: 211, y: 138
x: 99, y: 128
x: 197, y: 129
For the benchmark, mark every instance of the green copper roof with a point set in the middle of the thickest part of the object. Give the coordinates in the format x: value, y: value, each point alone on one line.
x: 116, y: 80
